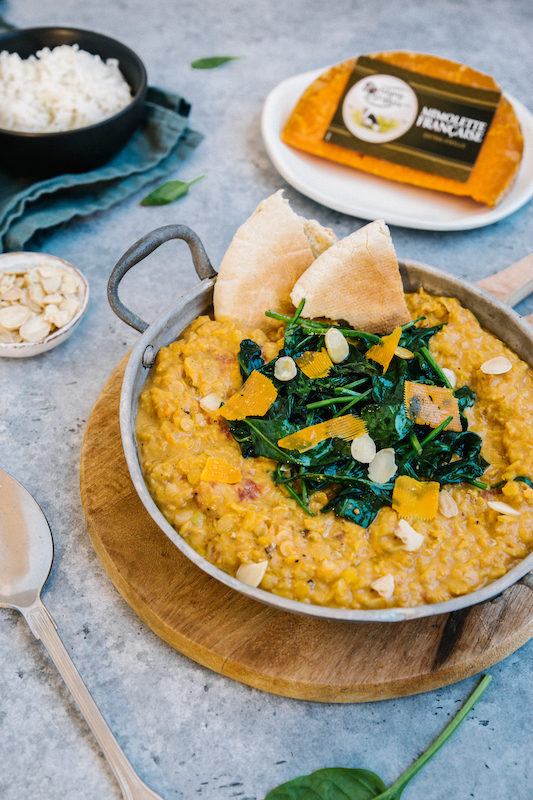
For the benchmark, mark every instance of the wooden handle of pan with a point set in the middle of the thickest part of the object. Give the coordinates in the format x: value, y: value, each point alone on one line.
x: 512, y: 284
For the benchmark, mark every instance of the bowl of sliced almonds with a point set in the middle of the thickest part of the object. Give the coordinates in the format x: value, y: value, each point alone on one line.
x: 42, y: 301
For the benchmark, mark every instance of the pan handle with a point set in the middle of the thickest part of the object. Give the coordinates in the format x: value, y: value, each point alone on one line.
x: 143, y: 248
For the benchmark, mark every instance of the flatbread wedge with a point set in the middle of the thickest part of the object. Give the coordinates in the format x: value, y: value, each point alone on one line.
x: 356, y: 280
x: 267, y: 255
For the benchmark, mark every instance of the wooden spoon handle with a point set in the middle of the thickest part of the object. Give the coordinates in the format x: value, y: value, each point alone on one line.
x: 512, y: 284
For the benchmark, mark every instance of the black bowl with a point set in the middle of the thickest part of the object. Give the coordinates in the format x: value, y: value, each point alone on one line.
x: 82, y: 149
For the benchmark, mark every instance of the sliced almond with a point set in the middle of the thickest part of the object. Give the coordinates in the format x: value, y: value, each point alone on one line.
x: 502, y: 508
x: 452, y: 377
x: 384, y: 586
x: 35, y: 329
x: 70, y: 284
x: 12, y: 317
x: 383, y: 466
x: 411, y: 539
x: 403, y: 352
x: 496, y: 366
x: 70, y: 306
x: 55, y: 297
x: 13, y: 293
x: 52, y: 284
x: 336, y: 345
x: 211, y: 402
x: 54, y: 315
x: 363, y: 449
x: 285, y: 369
x: 252, y: 574
x: 447, y: 505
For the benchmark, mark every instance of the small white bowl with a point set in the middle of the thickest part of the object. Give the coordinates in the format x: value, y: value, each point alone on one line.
x: 8, y: 261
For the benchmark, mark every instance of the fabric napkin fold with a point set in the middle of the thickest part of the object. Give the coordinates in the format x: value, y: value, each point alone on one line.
x: 158, y: 146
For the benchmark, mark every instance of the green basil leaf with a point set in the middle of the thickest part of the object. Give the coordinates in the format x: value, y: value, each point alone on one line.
x: 335, y: 783
x: 212, y: 62
x: 168, y: 192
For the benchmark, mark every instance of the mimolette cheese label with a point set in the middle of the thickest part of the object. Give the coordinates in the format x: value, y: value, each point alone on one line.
x: 412, y: 119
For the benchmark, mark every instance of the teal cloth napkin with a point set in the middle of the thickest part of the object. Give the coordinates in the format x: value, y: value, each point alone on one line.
x: 158, y: 146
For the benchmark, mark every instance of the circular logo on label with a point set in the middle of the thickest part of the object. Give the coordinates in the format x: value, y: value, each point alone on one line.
x: 379, y: 108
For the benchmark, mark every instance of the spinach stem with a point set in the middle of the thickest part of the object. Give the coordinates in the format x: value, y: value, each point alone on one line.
x: 433, y: 364
x: 322, y: 327
x: 394, y: 792
x: 411, y: 324
x: 298, y: 312
x: 346, y: 390
x: 345, y: 408
x: 435, y: 432
x: 478, y: 484
x: 415, y: 444
x: 298, y: 499
x: 354, y: 383
x: 330, y: 402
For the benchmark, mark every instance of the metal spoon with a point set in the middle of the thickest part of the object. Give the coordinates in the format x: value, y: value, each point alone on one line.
x: 26, y: 554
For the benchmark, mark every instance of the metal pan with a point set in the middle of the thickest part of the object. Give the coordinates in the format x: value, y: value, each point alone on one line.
x: 492, y: 314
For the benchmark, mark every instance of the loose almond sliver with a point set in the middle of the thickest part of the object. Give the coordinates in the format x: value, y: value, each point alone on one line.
x: 496, y: 366
x: 315, y: 365
x: 252, y: 574
x: 383, y: 352
x: 220, y: 471
x: 412, y: 498
x: 347, y: 427
x: 502, y: 508
x: 253, y: 399
x: 431, y: 405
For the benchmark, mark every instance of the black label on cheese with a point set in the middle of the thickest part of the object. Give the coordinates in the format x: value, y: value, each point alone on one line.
x: 412, y: 119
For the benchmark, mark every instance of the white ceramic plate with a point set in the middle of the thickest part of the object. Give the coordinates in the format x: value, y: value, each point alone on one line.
x: 370, y: 197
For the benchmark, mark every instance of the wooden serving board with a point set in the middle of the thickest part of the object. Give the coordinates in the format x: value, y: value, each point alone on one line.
x: 278, y: 652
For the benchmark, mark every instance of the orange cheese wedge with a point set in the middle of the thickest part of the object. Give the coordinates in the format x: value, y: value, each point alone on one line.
x: 253, y: 399
x: 412, y: 498
x: 221, y: 471
x: 315, y: 365
x: 496, y: 165
x: 385, y: 350
x: 431, y: 405
x: 347, y: 427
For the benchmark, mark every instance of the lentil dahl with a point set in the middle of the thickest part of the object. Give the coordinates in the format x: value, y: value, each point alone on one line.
x: 325, y: 559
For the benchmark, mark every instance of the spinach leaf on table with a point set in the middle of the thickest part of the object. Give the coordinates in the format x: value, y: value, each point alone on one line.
x: 339, y: 783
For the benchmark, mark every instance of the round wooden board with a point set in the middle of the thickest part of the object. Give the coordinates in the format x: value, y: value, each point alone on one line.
x: 281, y: 653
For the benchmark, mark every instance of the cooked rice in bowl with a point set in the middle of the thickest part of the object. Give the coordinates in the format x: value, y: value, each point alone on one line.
x: 59, y: 90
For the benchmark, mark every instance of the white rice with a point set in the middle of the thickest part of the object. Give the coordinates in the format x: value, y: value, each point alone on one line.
x: 59, y: 90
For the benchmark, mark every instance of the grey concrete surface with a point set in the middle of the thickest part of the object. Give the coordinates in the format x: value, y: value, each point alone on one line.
x: 187, y: 731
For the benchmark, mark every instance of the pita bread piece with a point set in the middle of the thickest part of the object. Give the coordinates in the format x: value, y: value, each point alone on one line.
x: 357, y: 280
x: 268, y: 254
